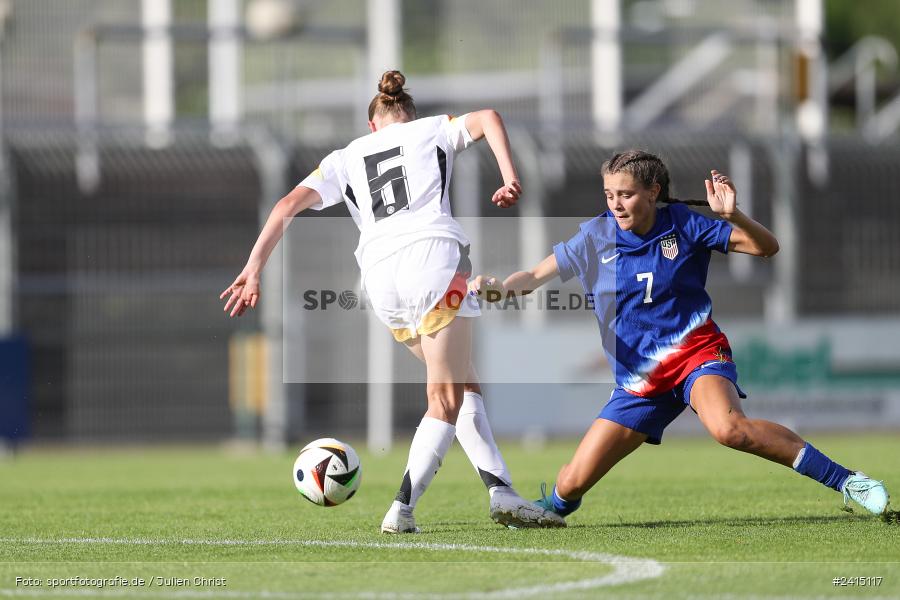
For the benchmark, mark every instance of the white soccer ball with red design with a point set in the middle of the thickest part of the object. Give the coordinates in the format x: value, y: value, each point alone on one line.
x: 327, y: 472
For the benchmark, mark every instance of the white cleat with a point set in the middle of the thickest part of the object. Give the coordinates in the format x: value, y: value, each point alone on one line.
x: 399, y: 519
x: 865, y: 491
x: 513, y: 511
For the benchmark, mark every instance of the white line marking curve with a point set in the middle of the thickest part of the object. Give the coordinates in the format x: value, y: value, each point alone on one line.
x: 625, y: 570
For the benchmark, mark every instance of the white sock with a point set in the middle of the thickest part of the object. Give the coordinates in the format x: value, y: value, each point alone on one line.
x: 426, y: 453
x: 474, y: 434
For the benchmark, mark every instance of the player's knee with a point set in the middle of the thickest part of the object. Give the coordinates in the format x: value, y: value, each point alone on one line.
x: 473, y: 387
x: 734, y: 433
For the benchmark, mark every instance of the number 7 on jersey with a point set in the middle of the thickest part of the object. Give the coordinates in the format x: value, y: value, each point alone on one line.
x: 648, y: 277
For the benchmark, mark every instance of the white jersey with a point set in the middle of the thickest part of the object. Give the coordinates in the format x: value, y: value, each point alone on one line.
x: 395, y: 183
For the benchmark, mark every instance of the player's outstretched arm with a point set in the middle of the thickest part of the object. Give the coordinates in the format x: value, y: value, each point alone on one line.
x: 519, y: 283
x: 747, y: 236
x: 244, y: 292
x: 488, y: 124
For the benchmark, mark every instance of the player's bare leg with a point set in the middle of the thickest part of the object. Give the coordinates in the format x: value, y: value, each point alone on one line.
x: 473, y: 430
x: 601, y: 448
x: 447, y: 355
x: 718, y: 406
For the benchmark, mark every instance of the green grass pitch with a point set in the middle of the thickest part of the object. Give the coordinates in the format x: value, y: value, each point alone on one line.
x: 697, y: 520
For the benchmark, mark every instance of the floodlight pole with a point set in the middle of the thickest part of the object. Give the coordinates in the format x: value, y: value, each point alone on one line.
x: 272, y: 166
x: 780, y: 305
x: 533, y: 239
x: 740, y: 166
x: 781, y: 302
x: 225, y: 54
x: 385, y: 38
x: 7, y: 233
x: 157, y: 73
x: 812, y: 109
x: 385, y: 53
x: 606, y: 62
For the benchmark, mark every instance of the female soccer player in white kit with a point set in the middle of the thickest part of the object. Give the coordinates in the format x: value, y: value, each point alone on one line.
x: 414, y: 261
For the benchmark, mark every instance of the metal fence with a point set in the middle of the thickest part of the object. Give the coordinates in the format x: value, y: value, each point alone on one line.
x: 116, y: 287
x: 848, y: 227
x: 117, y: 290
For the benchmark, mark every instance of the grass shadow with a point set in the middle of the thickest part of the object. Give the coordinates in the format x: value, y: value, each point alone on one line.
x: 739, y: 521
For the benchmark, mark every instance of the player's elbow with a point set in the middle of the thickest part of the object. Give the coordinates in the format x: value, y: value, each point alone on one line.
x: 763, y: 247
x: 493, y: 115
x: 288, y: 206
x: 490, y: 118
x: 480, y: 123
x: 770, y: 249
x: 296, y: 201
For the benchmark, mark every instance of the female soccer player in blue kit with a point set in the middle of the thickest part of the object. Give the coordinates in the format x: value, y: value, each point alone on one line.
x: 646, y: 268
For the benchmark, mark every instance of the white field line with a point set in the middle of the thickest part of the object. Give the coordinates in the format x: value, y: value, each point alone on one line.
x: 624, y: 570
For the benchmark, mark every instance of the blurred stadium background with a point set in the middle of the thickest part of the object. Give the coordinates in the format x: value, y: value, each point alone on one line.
x: 142, y: 142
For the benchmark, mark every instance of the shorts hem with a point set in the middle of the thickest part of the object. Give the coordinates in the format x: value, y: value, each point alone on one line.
x: 651, y: 438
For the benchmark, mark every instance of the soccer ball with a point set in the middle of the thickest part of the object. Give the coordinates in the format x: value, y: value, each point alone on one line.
x: 327, y: 472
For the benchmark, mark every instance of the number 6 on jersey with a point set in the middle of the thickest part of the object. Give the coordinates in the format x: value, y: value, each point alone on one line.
x: 393, y: 179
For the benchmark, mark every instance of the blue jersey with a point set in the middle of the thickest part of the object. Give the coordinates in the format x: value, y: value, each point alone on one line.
x: 649, y: 294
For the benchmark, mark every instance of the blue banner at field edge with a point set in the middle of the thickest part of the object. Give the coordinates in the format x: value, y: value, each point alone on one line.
x: 15, y: 417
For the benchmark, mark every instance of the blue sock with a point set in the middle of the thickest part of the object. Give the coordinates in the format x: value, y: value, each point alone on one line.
x: 563, y: 507
x: 816, y: 465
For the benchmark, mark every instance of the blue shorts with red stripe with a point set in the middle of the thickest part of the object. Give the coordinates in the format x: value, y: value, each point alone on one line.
x: 651, y: 415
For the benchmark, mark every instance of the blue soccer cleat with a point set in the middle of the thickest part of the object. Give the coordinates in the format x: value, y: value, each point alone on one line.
x: 555, y: 504
x: 865, y: 491
x: 545, y: 501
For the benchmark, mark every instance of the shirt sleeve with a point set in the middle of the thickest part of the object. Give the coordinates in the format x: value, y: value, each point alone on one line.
x: 709, y: 233
x: 458, y: 136
x: 572, y: 257
x: 326, y: 181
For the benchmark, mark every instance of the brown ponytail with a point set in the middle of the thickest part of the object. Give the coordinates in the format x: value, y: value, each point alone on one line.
x: 647, y: 169
x: 392, y: 98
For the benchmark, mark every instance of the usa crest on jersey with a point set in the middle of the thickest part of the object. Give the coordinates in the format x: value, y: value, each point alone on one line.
x: 669, y: 247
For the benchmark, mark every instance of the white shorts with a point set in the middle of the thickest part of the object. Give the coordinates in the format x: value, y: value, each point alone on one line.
x: 422, y: 287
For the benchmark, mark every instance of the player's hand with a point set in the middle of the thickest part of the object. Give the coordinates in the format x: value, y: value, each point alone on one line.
x: 721, y: 195
x: 487, y: 286
x: 244, y: 293
x: 507, y: 195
